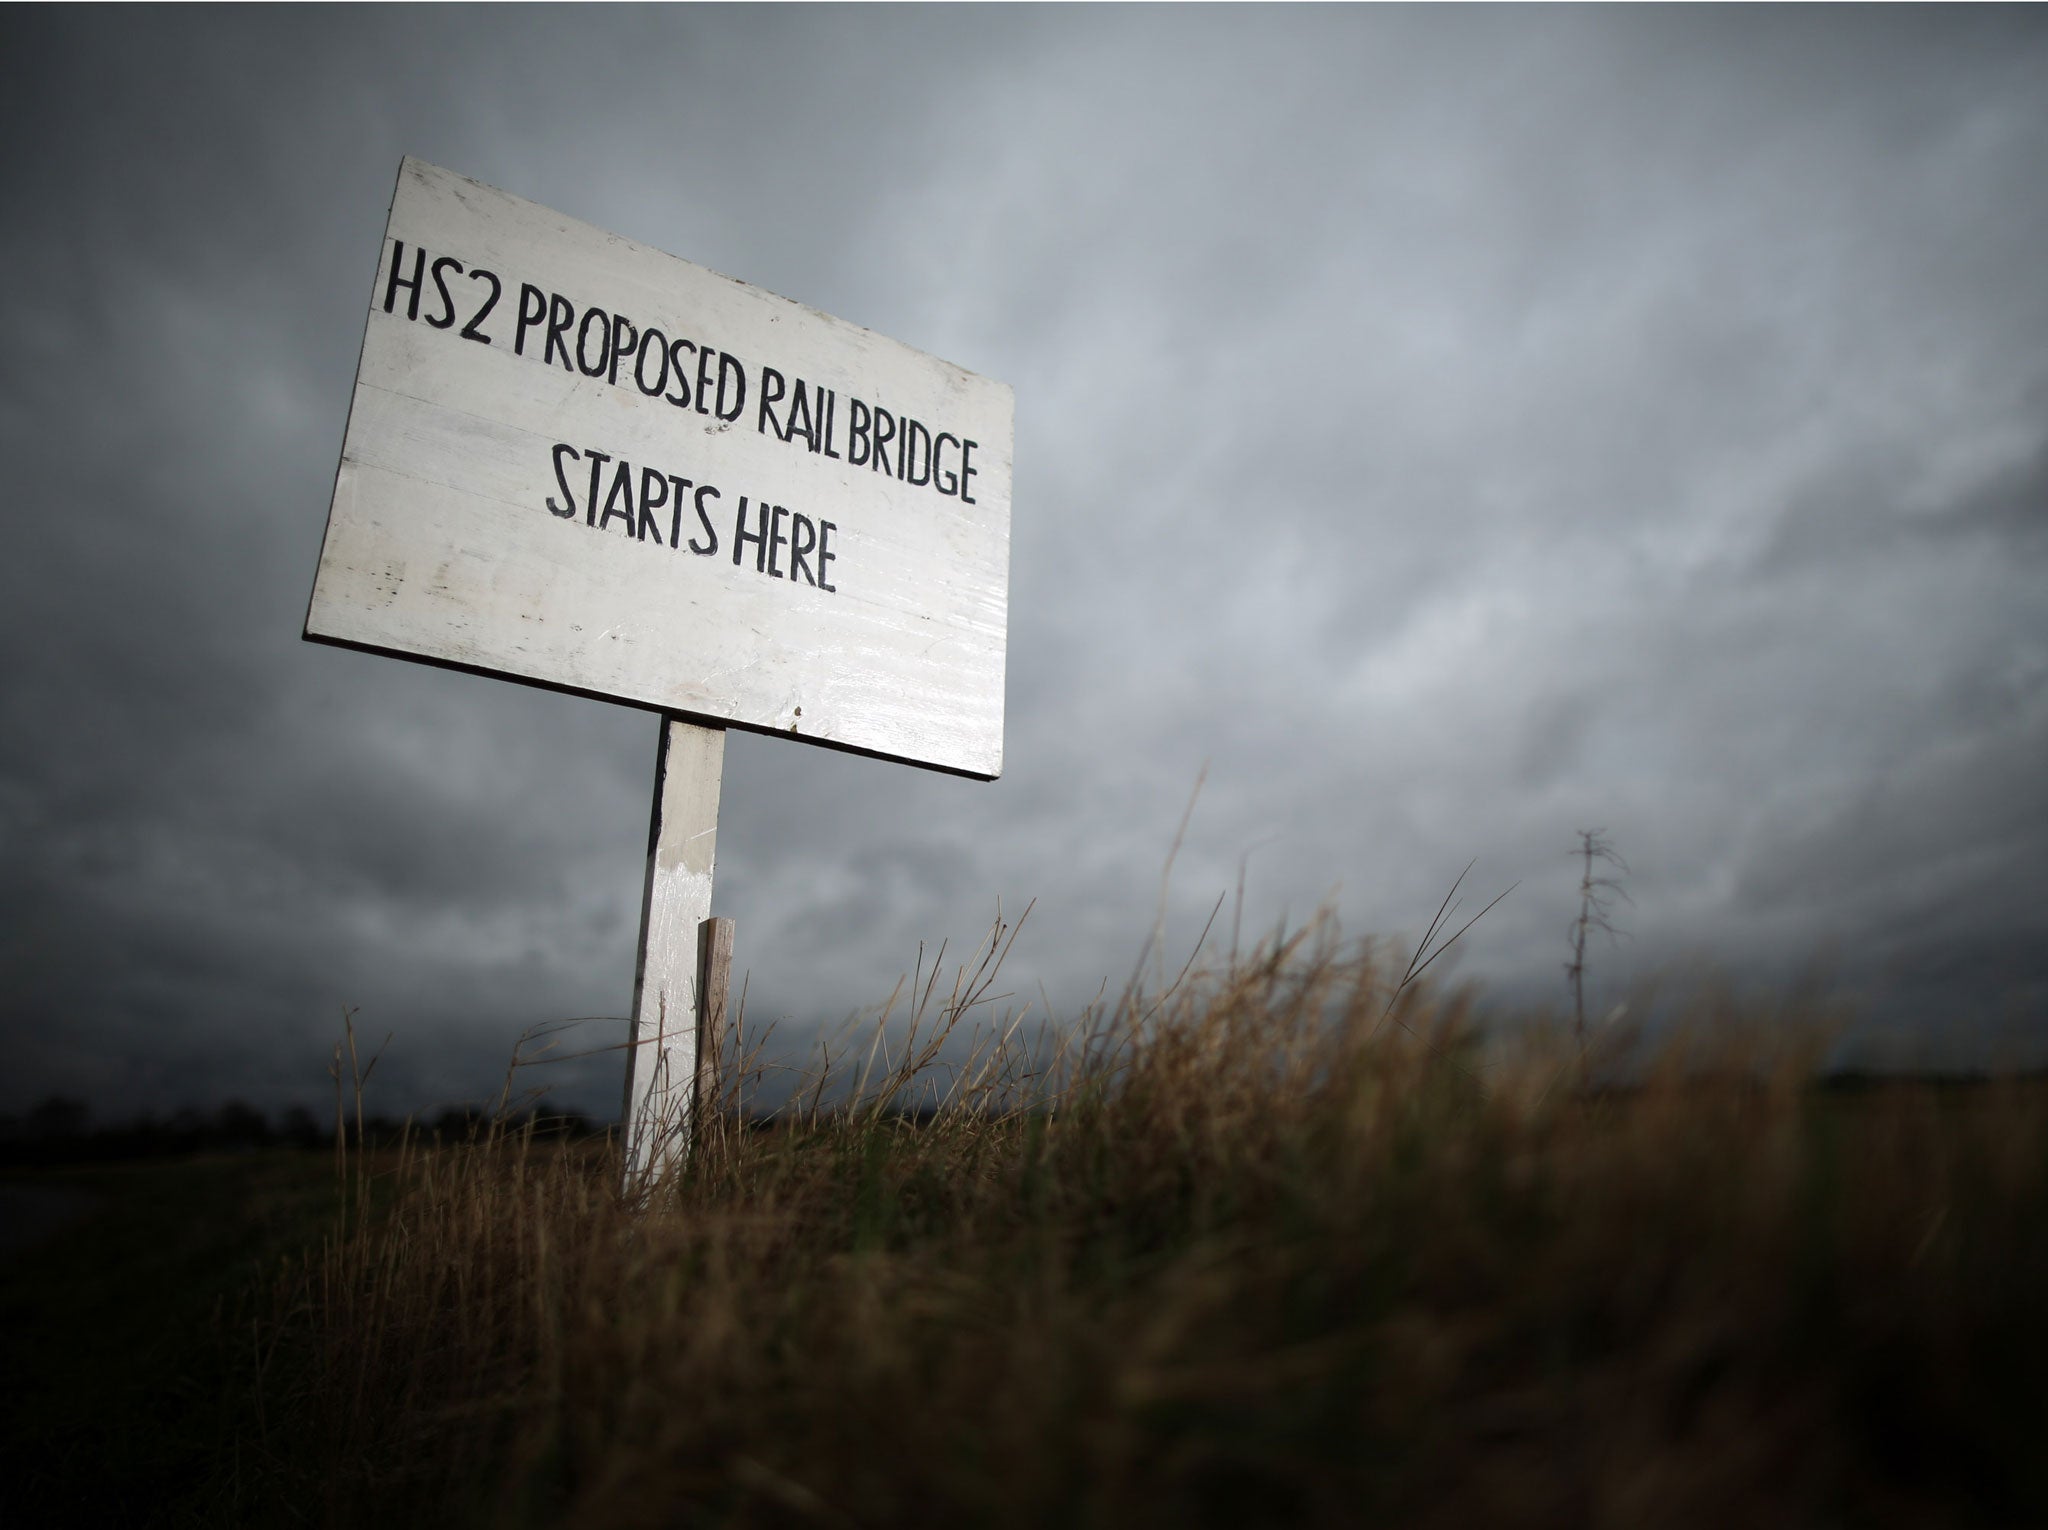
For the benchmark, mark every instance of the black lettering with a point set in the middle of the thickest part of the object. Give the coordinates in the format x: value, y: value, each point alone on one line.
x: 618, y: 500
x: 533, y: 308
x: 604, y: 340
x: 772, y: 388
x: 741, y: 537
x: 675, y: 520
x: 596, y: 460
x: 561, y: 314
x: 831, y: 400
x: 910, y: 467
x: 441, y: 286
x: 777, y: 539
x: 704, y: 355
x: 856, y: 432
x: 966, y: 470
x: 825, y: 555
x: 659, y: 341
x: 675, y: 356
x: 653, y: 495
x: 705, y: 491
x: 945, y: 480
x: 800, y: 409
x: 470, y: 331
x: 568, y: 506
x: 621, y: 348
x: 419, y: 268
x: 803, y: 536
x: 885, y: 430
x: 739, y: 394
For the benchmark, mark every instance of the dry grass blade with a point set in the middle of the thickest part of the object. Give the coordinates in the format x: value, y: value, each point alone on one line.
x: 1217, y: 1254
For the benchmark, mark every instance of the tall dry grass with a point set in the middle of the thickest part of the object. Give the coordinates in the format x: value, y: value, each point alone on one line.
x: 1274, y: 1244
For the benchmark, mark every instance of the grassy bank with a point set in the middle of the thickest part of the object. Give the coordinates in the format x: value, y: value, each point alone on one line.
x: 1279, y: 1247
x: 128, y: 1336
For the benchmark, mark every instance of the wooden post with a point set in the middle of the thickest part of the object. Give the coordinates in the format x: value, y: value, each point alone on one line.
x: 682, y: 843
x: 714, y: 983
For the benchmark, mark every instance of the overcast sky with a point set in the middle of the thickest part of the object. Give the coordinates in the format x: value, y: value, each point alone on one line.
x: 1454, y: 428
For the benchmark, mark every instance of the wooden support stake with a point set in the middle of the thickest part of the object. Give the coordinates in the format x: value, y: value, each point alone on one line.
x: 682, y: 843
x: 714, y: 983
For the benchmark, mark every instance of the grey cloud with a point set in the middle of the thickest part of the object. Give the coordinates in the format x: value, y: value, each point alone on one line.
x: 1452, y: 428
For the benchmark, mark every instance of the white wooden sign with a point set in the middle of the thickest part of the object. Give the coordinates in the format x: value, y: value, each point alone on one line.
x: 579, y: 462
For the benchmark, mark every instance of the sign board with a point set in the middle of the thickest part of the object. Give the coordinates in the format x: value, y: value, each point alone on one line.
x: 579, y: 462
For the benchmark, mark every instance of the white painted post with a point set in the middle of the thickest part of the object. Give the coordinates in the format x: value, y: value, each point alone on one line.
x: 661, y: 1064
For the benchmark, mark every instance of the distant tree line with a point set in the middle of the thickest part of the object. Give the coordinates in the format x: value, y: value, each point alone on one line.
x: 61, y: 1129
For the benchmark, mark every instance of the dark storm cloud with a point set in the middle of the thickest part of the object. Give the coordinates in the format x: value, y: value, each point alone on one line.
x: 1455, y: 428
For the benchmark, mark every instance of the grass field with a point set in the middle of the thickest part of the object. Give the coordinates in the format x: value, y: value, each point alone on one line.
x: 126, y: 1336
x: 1277, y: 1245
